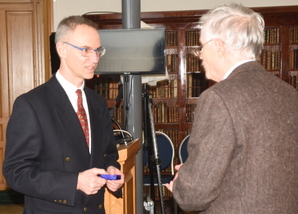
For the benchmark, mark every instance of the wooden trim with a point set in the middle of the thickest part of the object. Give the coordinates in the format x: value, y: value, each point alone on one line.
x: 184, y: 16
x: 15, y: 1
x: 48, y: 29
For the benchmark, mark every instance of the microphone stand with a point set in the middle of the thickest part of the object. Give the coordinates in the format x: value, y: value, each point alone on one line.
x: 151, y: 146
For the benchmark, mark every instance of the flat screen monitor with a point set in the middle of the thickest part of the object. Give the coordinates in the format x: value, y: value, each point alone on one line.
x: 132, y: 51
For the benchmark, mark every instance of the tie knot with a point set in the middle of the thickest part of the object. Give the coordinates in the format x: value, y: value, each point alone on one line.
x: 79, y: 92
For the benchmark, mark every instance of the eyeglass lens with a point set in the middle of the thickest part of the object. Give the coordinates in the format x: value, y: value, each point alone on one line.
x: 88, y: 52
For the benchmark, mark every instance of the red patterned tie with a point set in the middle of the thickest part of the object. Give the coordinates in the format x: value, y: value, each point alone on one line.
x: 82, y: 116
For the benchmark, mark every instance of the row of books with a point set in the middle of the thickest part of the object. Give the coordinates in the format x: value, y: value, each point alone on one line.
x: 193, y: 63
x: 193, y: 85
x: 172, y: 63
x: 294, y: 35
x: 294, y: 59
x: 271, y: 60
x: 294, y: 82
x: 190, y: 108
x: 171, y: 38
x: 106, y: 87
x: 193, y: 38
x: 271, y: 36
x: 162, y: 113
x: 169, y: 89
x: 164, y: 89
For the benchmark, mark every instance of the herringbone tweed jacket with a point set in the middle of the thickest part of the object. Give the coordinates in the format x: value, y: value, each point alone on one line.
x: 243, y: 149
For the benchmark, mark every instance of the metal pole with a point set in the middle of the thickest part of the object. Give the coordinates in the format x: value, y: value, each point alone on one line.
x: 132, y: 97
x: 149, y: 134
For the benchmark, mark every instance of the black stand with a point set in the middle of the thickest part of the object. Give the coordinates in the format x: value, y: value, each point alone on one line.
x: 151, y: 147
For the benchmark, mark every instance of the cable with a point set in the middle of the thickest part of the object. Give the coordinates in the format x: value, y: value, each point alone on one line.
x: 120, y: 130
x: 124, y: 140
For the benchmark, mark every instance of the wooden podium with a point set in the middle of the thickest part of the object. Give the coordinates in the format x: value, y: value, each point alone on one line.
x: 127, y: 203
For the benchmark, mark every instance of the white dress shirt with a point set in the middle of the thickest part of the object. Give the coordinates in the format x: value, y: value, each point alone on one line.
x: 70, y: 90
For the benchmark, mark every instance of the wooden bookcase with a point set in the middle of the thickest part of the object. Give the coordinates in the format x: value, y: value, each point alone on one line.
x: 280, y: 52
x: 174, y: 100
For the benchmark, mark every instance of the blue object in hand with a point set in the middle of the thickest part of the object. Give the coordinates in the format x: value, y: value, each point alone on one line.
x: 110, y: 177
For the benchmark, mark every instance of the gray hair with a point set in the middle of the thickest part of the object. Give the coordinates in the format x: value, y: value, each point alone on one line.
x: 240, y: 28
x: 68, y: 25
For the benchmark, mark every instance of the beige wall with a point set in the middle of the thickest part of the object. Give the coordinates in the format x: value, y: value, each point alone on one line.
x: 63, y: 8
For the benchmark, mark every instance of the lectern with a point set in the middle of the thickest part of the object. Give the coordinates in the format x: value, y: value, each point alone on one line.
x: 127, y: 203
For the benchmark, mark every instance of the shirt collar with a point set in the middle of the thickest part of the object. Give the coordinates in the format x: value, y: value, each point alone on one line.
x: 67, y: 86
x: 235, y: 66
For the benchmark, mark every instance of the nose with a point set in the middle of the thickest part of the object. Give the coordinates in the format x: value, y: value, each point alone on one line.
x: 93, y: 57
x: 200, y: 55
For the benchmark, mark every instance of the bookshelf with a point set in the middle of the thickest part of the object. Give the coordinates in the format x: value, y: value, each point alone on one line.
x: 175, y: 100
x: 293, y: 61
x: 281, y: 42
x: 271, y: 53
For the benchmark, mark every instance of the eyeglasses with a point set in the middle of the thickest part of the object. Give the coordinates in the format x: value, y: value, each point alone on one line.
x: 197, y: 51
x: 87, y: 52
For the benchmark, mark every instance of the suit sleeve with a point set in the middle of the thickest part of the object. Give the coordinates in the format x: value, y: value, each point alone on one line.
x: 210, y: 150
x: 111, y: 155
x: 22, y: 165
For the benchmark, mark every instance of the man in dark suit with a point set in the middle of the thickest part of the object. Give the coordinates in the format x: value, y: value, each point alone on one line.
x: 48, y: 156
x: 243, y: 149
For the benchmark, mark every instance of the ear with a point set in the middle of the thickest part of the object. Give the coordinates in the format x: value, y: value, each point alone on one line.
x: 220, y: 47
x: 60, y: 47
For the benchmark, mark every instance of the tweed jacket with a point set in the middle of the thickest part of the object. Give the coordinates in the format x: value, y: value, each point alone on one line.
x: 46, y: 149
x: 243, y: 149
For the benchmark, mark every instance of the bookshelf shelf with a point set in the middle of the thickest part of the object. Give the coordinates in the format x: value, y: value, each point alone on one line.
x: 174, y: 100
x: 293, y: 61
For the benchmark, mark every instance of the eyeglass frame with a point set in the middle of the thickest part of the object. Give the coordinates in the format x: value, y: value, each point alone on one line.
x: 198, y: 50
x: 101, y: 51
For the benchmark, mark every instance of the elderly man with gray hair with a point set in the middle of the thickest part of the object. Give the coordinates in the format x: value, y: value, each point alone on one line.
x: 243, y: 149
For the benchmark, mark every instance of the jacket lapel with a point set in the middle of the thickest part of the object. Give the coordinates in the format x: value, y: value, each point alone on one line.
x: 96, y: 122
x: 69, y: 121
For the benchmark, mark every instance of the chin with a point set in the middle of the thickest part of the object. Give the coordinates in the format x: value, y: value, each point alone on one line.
x: 207, y: 76
x: 89, y: 76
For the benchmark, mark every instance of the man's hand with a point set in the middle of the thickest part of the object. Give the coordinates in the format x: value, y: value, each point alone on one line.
x: 114, y: 185
x: 89, y: 182
x: 170, y: 185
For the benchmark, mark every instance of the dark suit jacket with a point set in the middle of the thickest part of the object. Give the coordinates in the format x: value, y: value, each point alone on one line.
x: 243, y: 149
x: 46, y: 149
